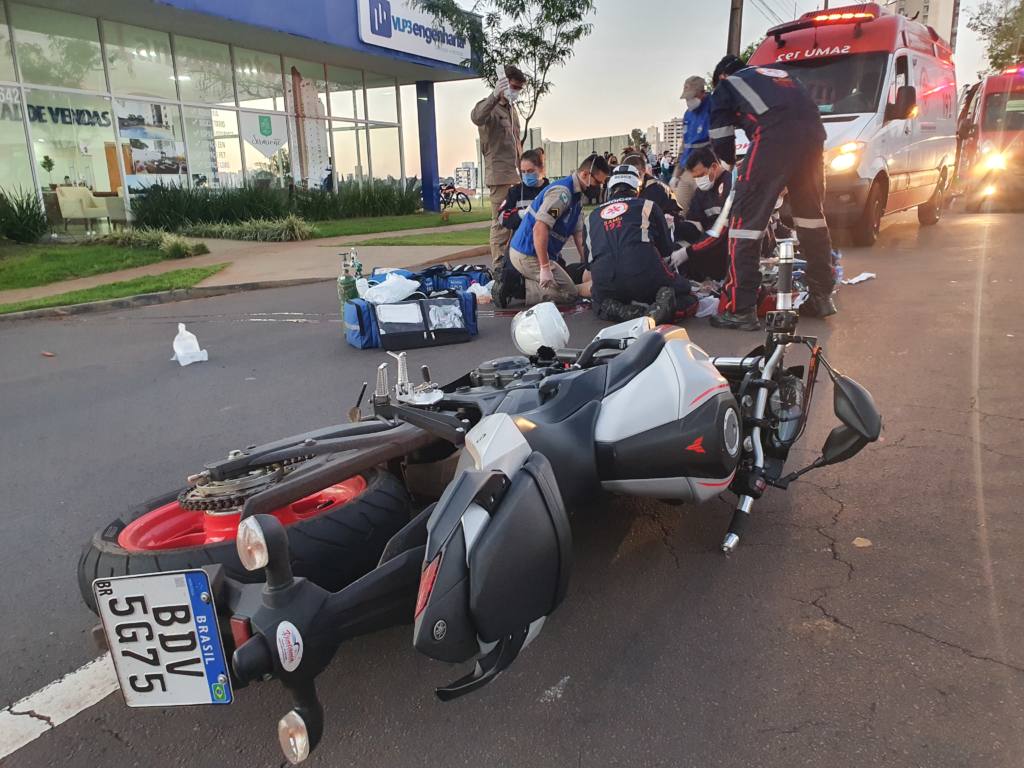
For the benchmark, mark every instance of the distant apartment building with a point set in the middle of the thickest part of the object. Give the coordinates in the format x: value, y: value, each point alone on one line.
x: 654, y: 138
x: 942, y: 15
x: 672, y: 135
x: 467, y: 175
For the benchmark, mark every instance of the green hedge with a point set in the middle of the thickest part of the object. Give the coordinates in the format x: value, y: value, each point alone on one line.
x: 178, y: 208
x: 21, y: 216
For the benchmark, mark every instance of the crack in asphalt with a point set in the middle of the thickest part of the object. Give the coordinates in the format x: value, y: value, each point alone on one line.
x: 795, y: 728
x: 825, y: 612
x: 966, y: 651
x: 33, y: 714
x: 666, y: 534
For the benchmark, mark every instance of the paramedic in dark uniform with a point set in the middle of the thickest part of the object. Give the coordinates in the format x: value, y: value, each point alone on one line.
x: 706, y: 257
x: 628, y: 244
x: 786, y: 150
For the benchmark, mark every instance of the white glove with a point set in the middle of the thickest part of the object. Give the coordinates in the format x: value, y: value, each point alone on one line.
x: 547, y: 277
x: 678, y: 257
x: 501, y: 87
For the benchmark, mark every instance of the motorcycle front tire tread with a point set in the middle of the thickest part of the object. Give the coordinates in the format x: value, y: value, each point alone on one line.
x: 332, y: 549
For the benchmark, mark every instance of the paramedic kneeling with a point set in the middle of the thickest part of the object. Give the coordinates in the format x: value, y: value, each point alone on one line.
x: 786, y: 150
x: 628, y: 242
x: 707, y: 256
x: 551, y: 219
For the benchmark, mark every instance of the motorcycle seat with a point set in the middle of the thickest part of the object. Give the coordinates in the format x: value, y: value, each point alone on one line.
x: 625, y: 366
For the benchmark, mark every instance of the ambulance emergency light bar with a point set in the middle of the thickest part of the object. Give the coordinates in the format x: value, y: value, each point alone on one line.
x: 1016, y: 69
x: 851, y: 14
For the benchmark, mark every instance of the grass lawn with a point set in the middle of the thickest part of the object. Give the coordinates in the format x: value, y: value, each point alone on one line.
x: 179, y: 278
x: 372, y: 224
x: 459, y: 237
x: 25, y: 266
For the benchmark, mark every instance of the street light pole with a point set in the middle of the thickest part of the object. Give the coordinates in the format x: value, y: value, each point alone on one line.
x: 735, y: 25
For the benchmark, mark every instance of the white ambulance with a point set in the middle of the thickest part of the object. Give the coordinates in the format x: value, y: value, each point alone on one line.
x: 886, y: 90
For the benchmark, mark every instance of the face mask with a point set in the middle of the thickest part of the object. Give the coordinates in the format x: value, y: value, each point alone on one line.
x: 704, y: 183
x: 692, y: 104
x: 512, y: 95
x: 531, y: 179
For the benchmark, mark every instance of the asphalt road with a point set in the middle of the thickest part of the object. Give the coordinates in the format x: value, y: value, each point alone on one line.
x: 800, y: 649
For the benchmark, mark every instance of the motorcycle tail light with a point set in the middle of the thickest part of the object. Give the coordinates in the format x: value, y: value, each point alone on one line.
x: 241, y: 630
x: 427, y: 579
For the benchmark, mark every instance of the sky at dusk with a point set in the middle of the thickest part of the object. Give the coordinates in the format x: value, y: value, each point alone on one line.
x: 628, y: 73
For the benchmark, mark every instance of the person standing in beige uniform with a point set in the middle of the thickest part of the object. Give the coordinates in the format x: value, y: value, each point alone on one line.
x: 501, y: 145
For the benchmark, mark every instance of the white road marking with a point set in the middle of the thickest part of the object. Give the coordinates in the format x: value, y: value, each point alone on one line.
x: 554, y: 693
x: 26, y: 720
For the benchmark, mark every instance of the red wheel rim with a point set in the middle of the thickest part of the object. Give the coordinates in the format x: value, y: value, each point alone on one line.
x: 173, y: 527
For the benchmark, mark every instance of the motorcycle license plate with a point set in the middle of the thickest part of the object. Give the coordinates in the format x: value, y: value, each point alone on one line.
x: 162, y: 633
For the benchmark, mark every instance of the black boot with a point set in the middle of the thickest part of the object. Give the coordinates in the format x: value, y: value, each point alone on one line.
x: 818, y: 306
x: 619, y: 312
x: 499, y: 294
x: 663, y: 310
x: 739, y: 321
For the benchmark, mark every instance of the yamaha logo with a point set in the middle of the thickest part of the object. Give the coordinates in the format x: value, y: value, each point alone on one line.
x: 440, y: 630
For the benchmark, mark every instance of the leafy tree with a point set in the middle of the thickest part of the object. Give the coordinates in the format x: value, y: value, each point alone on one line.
x: 535, y: 35
x: 1001, y: 26
x: 638, y: 137
x: 47, y: 165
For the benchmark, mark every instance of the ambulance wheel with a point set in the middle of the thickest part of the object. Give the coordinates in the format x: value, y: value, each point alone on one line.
x: 865, y: 230
x: 930, y: 213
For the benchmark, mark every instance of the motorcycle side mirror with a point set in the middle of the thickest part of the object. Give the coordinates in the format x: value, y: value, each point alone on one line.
x: 855, y: 407
x: 842, y: 443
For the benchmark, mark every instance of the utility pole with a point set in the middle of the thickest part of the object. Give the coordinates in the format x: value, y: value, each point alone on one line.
x: 735, y: 26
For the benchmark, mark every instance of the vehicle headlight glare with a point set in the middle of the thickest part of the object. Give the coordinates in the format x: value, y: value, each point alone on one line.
x: 252, y: 545
x: 995, y: 161
x: 844, y: 161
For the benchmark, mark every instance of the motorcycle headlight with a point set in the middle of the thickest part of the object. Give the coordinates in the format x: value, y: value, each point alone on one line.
x: 846, y: 157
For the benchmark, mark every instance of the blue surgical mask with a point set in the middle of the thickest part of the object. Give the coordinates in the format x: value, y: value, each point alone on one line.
x: 531, y: 179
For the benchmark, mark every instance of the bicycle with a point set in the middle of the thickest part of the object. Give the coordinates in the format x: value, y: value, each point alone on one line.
x: 451, y: 196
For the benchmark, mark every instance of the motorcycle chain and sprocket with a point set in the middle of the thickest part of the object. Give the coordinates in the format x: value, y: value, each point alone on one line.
x: 210, y: 499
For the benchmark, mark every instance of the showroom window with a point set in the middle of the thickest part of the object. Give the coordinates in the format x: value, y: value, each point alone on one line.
x: 346, y: 92
x: 56, y: 48
x: 267, y: 155
x: 350, y: 161
x: 385, y: 153
x: 15, y: 171
x: 139, y: 61
x: 77, y: 133
x: 204, y: 71
x: 6, y: 61
x: 259, y: 80
x: 214, y: 157
x: 381, y: 98
x: 187, y: 111
x: 152, y: 144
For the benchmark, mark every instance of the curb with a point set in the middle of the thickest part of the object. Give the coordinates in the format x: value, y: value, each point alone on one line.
x: 184, y: 294
x: 161, y: 297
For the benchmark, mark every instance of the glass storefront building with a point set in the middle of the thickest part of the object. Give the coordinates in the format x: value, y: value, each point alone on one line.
x: 114, y: 97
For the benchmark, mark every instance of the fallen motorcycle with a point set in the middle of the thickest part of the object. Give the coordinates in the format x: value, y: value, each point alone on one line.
x: 447, y: 507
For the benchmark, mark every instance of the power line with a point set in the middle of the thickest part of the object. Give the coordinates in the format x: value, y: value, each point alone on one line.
x: 766, y: 11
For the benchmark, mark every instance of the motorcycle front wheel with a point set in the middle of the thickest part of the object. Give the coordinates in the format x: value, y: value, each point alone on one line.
x: 335, y: 535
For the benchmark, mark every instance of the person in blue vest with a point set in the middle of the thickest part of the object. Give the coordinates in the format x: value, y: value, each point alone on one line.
x: 696, y: 123
x: 552, y: 218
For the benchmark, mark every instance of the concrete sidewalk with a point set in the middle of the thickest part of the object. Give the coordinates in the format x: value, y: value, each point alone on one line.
x: 249, y: 262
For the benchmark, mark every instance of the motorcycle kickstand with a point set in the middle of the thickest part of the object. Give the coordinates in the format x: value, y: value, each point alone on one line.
x: 740, y: 516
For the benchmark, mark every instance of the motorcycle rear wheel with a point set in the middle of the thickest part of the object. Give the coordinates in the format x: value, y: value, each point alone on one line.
x: 331, y: 549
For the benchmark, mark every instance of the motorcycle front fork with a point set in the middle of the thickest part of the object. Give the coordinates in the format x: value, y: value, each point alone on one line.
x: 743, y: 506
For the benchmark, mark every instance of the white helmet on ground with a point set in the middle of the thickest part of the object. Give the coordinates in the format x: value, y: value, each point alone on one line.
x: 539, y: 326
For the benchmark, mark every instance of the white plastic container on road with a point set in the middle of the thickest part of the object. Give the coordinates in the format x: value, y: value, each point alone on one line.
x: 186, y: 348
